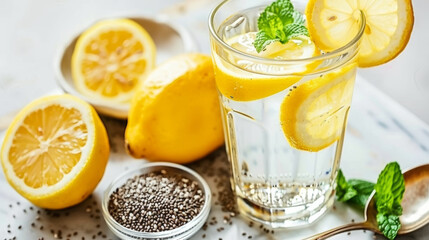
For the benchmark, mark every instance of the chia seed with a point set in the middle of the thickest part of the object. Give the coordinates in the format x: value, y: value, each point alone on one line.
x: 156, y: 202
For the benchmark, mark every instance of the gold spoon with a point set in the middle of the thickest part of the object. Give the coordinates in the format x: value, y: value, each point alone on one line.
x: 415, y: 206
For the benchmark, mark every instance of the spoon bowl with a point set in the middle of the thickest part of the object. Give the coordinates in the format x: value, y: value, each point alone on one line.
x: 415, y: 204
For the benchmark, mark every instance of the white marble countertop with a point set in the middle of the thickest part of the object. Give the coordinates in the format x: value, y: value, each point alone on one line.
x: 380, y: 130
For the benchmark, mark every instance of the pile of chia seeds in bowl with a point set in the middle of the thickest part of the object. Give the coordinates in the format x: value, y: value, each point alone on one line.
x: 156, y: 201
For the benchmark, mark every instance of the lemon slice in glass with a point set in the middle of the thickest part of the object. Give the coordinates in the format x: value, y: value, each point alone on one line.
x: 313, y: 114
x: 241, y: 79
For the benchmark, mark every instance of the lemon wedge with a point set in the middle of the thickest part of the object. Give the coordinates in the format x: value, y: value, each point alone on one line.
x: 241, y: 79
x: 333, y: 23
x: 314, y: 113
x: 55, y: 151
x: 111, y: 59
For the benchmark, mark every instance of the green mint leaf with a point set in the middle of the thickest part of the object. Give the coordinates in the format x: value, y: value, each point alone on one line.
x: 279, y: 22
x: 353, y: 191
x: 390, y: 189
x: 363, y: 189
x: 282, y: 9
x: 341, y: 184
x: 262, y: 40
x: 389, y: 225
x: 270, y: 25
x: 344, y: 191
x: 294, y: 30
x: 298, y: 18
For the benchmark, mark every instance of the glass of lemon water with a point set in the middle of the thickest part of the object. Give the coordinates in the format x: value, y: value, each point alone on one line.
x: 284, y: 113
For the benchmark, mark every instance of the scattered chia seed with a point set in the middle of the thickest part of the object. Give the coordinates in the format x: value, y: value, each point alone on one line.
x: 156, y: 202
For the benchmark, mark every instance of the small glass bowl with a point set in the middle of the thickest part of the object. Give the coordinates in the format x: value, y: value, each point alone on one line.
x: 182, y: 232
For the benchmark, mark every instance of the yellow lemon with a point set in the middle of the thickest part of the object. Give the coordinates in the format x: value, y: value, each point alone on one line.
x: 313, y: 114
x: 333, y: 23
x: 111, y: 59
x: 175, y: 115
x: 55, y: 151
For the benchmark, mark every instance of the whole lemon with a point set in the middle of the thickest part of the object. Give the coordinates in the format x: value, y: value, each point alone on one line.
x: 175, y: 115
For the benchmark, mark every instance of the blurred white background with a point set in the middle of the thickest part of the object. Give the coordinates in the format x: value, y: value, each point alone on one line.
x: 32, y: 32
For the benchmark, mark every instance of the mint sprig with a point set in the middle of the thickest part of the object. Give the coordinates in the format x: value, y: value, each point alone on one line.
x: 279, y: 22
x: 390, y: 188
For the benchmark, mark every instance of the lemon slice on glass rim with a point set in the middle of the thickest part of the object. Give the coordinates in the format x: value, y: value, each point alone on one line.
x: 333, y: 23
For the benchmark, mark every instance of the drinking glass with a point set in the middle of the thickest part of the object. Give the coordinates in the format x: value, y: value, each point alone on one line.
x: 284, y: 120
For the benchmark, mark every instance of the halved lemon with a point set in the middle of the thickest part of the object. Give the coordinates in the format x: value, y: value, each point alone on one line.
x: 111, y: 59
x: 246, y: 83
x: 333, y: 23
x: 313, y: 114
x: 55, y: 151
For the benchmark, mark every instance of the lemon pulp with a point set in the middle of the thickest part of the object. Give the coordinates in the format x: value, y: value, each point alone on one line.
x: 111, y: 59
x: 55, y: 151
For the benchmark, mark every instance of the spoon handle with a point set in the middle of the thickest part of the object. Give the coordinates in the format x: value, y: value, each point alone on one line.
x: 340, y: 229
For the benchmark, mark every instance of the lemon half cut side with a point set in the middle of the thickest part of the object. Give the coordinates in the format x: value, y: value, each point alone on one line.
x: 55, y: 151
x: 111, y: 59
